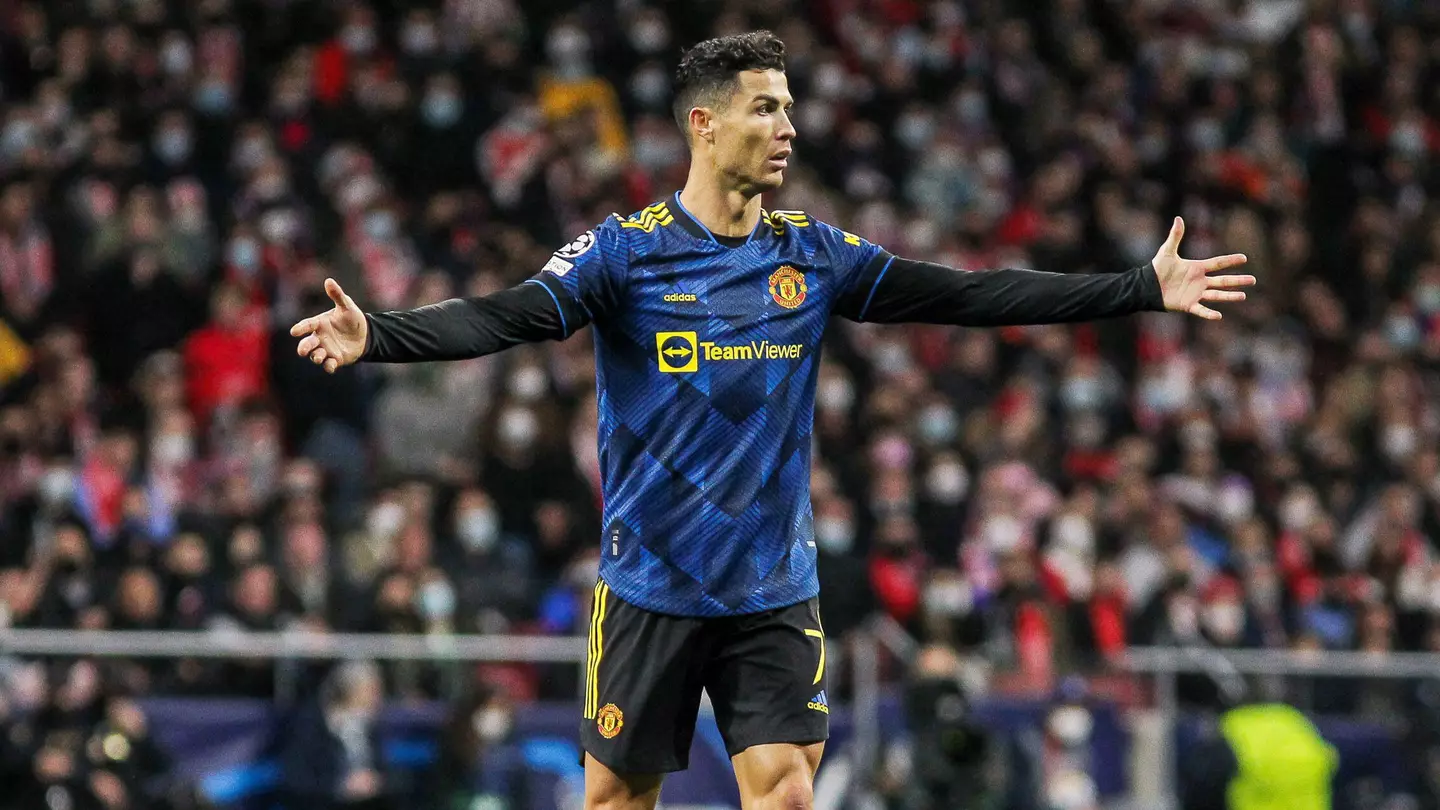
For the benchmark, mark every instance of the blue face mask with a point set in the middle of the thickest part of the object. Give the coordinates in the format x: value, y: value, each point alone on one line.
x: 214, y: 98
x: 173, y: 146
x: 441, y: 110
x: 381, y: 226
x: 245, y: 255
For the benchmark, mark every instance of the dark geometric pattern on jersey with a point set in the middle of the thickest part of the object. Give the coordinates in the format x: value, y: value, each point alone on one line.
x: 707, y: 358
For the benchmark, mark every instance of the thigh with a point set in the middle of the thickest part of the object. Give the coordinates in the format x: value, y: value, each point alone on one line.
x: 604, y: 788
x: 766, y: 678
x: 777, y: 774
x: 642, y: 687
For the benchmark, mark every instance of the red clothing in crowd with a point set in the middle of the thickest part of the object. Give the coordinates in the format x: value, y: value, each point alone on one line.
x: 225, y: 365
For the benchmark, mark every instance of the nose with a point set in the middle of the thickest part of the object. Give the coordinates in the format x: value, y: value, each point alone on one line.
x: 786, y: 132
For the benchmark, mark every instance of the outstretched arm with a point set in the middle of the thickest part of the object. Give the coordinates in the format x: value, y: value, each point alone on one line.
x: 907, y: 291
x: 456, y: 329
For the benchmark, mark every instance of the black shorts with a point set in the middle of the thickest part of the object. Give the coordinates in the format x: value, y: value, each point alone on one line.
x: 764, y: 672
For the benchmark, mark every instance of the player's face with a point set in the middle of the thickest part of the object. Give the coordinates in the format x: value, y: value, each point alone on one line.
x: 753, y: 134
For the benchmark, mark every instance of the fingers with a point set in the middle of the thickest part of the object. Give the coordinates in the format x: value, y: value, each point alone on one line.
x: 1177, y: 232
x: 332, y: 289
x: 308, y: 345
x: 319, y: 356
x: 1222, y: 295
x: 331, y: 365
x: 1225, y: 262
x: 304, y: 327
x: 1225, y: 282
x: 1202, y: 311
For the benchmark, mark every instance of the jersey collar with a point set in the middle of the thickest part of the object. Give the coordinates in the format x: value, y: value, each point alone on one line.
x: 692, y: 226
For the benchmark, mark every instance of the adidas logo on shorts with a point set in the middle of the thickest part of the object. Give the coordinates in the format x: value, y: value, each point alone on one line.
x: 819, y: 703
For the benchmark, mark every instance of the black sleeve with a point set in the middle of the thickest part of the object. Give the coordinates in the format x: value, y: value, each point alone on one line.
x: 908, y: 291
x: 462, y: 328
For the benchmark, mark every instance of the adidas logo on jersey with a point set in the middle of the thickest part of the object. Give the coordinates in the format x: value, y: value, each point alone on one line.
x: 819, y: 703
x: 688, y: 298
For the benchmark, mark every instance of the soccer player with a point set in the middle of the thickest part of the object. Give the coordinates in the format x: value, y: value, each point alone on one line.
x: 708, y: 312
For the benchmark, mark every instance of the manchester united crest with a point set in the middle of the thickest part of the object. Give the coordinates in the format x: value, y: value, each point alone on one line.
x: 787, y: 287
x: 610, y: 720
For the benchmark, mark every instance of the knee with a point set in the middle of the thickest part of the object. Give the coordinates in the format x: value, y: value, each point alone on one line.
x: 607, y: 790
x: 793, y: 792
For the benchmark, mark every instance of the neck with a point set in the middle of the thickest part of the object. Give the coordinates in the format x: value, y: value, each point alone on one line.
x: 725, y: 210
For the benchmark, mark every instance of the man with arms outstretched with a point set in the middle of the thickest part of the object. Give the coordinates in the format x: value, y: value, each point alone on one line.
x: 708, y: 314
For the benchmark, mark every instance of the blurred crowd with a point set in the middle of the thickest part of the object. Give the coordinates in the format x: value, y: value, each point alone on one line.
x: 178, y: 178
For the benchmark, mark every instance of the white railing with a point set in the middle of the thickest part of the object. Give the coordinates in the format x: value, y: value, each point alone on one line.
x: 297, y: 645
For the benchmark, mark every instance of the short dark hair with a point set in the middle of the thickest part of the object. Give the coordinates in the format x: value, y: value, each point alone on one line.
x: 709, y: 71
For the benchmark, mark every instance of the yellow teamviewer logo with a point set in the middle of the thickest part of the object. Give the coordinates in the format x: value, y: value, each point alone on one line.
x: 677, y: 351
x: 681, y: 351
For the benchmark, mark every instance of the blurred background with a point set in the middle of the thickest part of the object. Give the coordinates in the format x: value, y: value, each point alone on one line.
x: 1250, y: 508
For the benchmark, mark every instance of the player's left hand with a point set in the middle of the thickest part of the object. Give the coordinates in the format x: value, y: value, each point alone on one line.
x: 1187, y: 284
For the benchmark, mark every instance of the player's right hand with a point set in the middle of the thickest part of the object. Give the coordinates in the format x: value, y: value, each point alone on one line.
x: 335, y: 338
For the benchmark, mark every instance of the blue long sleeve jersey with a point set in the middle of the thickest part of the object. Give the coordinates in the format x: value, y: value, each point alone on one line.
x: 707, y: 351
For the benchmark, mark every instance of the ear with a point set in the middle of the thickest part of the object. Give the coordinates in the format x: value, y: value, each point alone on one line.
x: 702, y: 124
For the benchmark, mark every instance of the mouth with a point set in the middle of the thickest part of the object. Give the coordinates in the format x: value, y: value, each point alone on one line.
x: 780, y: 159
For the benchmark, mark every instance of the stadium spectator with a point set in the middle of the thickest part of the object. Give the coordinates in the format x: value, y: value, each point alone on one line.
x: 331, y: 756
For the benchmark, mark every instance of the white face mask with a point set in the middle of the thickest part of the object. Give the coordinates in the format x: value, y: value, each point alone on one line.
x: 57, y: 486
x: 1225, y: 620
x: 385, y: 520
x: 528, y: 384
x: 1070, y: 725
x: 492, y: 724
x: 834, y: 535
x: 947, y: 483
x: 479, y: 529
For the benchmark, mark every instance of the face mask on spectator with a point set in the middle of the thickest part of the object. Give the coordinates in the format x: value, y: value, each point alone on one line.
x: 245, y: 255
x: 947, y: 483
x: 1070, y: 725
x: 1224, y: 620
x: 419, y: 39
x: 213, y: 97
x: 17, y: 137
x: 173, y: 146
x: 1402, y: 332
x: 175, y: 58
x: 938, y: 425
x: 358, y: 39
x: 1206, y: 135
x: 492, y: 724
x: 649, y: 36
x: 1399, y: 442
x: 1235, y: 502
x: 948, y: 597
x: 56, y: 487
x: 834, y: 535
x: 441, y: 109
x: 915, y: 130
x: 1408, y: 139
x: 1427, y: 298
x: 478, y: 529
x: 437, y: 600
x: 385, y: 520
x: 971, y: 108
x: 528, y: 384
x: 381, y: 226
x: 835, y: 394
x: 568, y: 47
x: 173, y: 449
x: 650, y: 87
x: 1081, y: 393
x: 519, y: 428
